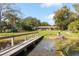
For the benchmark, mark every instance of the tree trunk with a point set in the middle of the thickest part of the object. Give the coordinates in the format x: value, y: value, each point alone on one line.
x: 13, y: 23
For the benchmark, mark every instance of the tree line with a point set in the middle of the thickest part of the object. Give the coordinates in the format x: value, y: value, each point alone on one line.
x: 11, y: 20
x: 66, y: 19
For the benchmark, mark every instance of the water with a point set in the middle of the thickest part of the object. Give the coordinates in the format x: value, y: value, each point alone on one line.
x: 45, y: 48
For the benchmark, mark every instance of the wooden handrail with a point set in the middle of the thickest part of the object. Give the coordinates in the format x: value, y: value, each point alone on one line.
x: 12, y: 38
x: 17, y: 35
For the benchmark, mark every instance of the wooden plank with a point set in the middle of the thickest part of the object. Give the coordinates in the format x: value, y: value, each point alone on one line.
x: 19, y: 47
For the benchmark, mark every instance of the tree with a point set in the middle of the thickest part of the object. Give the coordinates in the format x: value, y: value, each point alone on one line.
x: 63, y: 17
x: 12, y: 15
x: 74, y: 26
x: 76, y: 6
x: 31, y: 21
x: 3, y: 6
x: 44, y: 24
x: 3, y: 26
x: 27, y: 27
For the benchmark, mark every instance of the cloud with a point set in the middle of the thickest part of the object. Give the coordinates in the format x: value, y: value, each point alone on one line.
x: 50, y: 16
x: 50, y: 4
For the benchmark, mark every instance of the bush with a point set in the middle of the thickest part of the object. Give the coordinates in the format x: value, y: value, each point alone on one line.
x: 27, y: 28
x: 74, y: 26
x: 14, y: 30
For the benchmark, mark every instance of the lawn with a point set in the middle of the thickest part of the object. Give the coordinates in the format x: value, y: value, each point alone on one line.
x: 11, y: 34
x: 63, y: 47
x: 72, y: 39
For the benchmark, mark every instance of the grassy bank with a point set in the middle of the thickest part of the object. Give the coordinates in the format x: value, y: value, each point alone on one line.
x: 64, y: 46
x: 17, y: 33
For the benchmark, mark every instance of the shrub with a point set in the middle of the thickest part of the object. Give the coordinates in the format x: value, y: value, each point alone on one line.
x: 74, y: 26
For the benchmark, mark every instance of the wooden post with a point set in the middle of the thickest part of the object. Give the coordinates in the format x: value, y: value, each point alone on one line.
x: 12, y: 41
x: 25, y: 37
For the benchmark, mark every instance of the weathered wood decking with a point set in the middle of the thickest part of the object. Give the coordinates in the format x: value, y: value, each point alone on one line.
x: 18, y: 48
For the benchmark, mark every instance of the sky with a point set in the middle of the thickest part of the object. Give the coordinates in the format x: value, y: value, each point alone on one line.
x: 42, y: 11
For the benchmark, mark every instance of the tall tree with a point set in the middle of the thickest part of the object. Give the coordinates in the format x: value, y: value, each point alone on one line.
x: 12, y: 15
x: 3, y: 7
x: 64, y: 16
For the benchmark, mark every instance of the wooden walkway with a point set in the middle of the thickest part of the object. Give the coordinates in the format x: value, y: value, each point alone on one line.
x: 16, y: 49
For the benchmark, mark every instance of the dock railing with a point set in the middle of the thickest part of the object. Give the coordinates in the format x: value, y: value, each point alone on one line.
x: 10, y: 41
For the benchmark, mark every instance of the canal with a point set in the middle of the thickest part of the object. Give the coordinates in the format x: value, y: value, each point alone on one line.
x: 44, y: 48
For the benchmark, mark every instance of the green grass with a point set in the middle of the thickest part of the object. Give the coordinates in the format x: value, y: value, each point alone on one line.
x: 71, y: 39
x: 11, y: 34
x: 48, y: 33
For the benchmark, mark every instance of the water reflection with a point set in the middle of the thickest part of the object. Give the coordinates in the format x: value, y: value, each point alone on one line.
x: 45, y: 48
x: 48, y: 44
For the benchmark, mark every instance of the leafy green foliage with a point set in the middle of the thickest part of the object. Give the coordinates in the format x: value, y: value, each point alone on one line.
x: 31, y: 21
x: 74, y: 26
x: 64, y: 16
x: 27, y: 27
x: 9, y: 14
x: 44, y: 24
